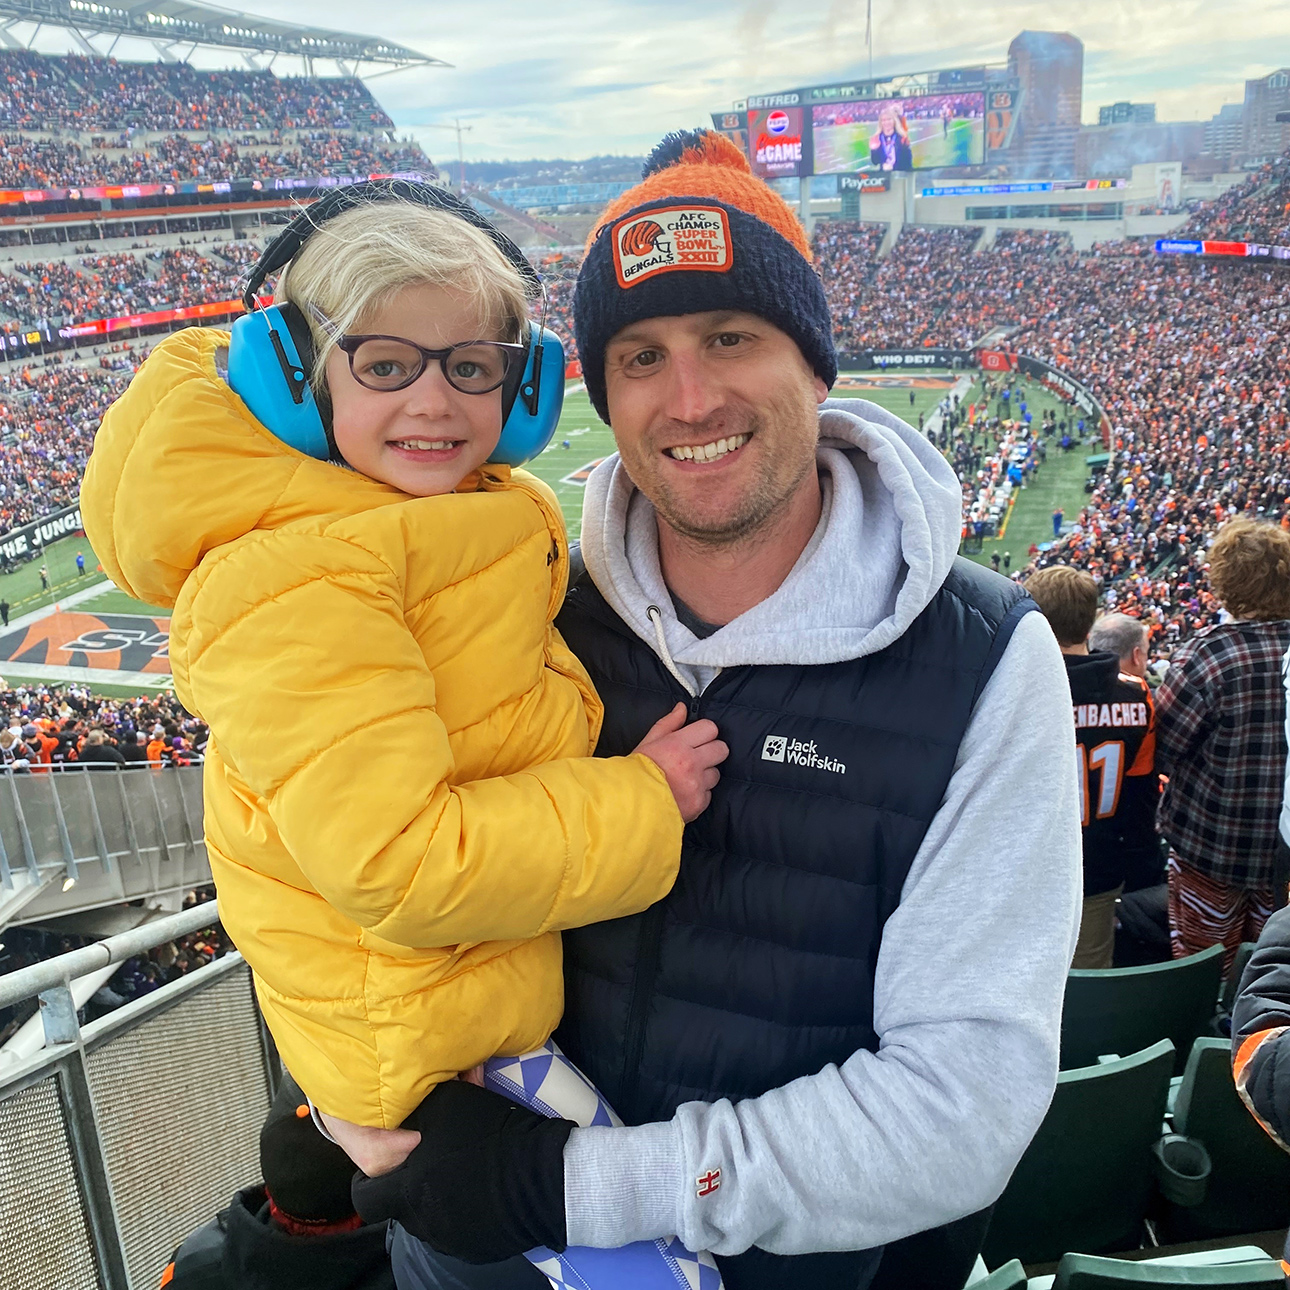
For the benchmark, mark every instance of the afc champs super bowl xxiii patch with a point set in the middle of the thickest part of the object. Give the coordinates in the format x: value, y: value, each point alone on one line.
x: 692, y: 238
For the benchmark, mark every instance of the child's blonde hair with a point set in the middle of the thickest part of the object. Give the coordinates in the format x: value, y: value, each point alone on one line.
x: 356, y: 262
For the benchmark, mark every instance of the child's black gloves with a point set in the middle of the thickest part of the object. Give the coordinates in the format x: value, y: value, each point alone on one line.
x: 486, y: 1181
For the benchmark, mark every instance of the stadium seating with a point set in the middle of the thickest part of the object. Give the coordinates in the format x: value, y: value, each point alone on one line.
x: 44, y: 163
x: 1087, y: 1272
x: 1233, y: 982
x: 1249, y: 1182
x: 38, y: 92
x: 1122, y: 1010
x: 1012, y: 1276
x: 1085, y: 1181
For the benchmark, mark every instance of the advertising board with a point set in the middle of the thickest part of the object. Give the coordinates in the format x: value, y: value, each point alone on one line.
x: 917, y: 133
x: 734, y: 125
x: 779, y: 148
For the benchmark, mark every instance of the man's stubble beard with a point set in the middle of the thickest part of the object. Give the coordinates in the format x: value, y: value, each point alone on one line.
x: 779, y: 478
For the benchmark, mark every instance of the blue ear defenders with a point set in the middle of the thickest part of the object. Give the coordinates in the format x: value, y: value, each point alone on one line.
x: 271, y: 352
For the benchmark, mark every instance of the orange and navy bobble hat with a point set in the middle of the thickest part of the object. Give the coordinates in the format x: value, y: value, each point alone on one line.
x: 700, y: 232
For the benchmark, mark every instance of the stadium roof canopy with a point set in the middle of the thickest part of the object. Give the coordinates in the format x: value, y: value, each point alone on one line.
x: 170, y: 25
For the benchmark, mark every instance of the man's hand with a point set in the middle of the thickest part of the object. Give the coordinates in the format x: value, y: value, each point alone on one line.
x: 485, y: 1183
x: 374, y: 1151
x: 688, y: 756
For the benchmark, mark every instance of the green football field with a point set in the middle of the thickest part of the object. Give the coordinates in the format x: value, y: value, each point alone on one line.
x: 581, y: 441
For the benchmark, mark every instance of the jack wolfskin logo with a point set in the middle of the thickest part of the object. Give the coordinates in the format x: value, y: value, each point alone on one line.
x: 799, y: 752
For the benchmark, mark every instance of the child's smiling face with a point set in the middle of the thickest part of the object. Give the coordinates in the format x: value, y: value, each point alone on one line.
x: 426, y: 438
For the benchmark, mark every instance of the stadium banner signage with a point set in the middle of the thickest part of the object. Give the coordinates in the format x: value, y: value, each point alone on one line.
x: 102, y: 326
x: 996, y: 360
x: 884, y: 358
x: 1189, y: 246
x: 864, y: 183
x: 116, y: 192
x: 779, y: 147
x: 32, y: 537
x: 1037, y: 186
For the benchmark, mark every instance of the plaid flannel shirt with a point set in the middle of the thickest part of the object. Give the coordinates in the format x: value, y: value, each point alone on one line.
x: 1221, y: 739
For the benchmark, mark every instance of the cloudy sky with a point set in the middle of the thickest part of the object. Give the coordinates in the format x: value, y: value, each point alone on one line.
x: 560, y: 78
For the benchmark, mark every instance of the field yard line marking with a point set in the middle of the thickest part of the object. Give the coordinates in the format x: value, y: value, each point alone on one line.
x: 86, y: 593
x: 1003, y: 532
x: 86, y: 675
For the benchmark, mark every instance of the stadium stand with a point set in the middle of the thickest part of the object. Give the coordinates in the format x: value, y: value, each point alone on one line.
x: 55, y: 163
x: 71, y: 92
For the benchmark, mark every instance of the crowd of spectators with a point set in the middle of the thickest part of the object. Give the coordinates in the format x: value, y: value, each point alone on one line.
x: 54, y: 163
x: 136, y: 977
x: 71, y: 92
x: 110, y: 286
x: 48, y: 419
x: 1256, y: 210
x: 1185, y: 354
x: 52, y: 726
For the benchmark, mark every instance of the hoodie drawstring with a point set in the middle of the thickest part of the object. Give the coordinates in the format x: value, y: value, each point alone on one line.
x: 656, y: 617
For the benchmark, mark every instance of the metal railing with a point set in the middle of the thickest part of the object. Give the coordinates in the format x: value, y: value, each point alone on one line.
x: 73, y: 840
x: 120, y: 1138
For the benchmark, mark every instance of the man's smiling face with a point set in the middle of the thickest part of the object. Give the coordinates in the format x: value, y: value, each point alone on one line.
x: 715, y: 419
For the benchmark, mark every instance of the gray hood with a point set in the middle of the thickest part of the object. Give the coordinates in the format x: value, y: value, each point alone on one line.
x: 887, y: 536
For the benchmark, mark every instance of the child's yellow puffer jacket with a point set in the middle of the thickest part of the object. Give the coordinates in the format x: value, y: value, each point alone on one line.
x: 396, y: 821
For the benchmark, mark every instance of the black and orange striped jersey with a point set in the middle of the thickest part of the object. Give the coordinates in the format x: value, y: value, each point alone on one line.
x: 1115, y: 734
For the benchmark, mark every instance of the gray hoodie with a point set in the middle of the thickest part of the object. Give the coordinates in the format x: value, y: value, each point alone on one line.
x: 972, y: 966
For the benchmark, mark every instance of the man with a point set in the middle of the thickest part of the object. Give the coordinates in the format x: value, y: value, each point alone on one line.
x: 841, y: 1027
x: 100, y: 754
x: 80, y: 564
x: 44, y: 578
x: 4, y: 612
x: 1126, y: 638
x: 1115, y: 739
x: 1222, y: 715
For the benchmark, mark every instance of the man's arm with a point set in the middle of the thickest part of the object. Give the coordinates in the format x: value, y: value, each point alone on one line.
x: 1183, y: 706
x: 967, y: 1006
x: 1261, y: 1031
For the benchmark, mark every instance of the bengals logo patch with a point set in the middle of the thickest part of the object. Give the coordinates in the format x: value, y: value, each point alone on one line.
x: 689, y: 238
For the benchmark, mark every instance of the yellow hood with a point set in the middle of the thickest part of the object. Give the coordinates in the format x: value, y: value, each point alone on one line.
x: 180, y: 467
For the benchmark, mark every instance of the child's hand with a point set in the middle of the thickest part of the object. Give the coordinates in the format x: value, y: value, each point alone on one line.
x: 374, y: 1151
x: 689, y: 756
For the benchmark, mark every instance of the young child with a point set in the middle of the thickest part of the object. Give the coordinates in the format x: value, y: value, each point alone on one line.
x: 401, y: 808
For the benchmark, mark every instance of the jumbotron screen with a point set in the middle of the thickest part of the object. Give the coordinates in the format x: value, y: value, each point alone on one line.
x: 900, y: 134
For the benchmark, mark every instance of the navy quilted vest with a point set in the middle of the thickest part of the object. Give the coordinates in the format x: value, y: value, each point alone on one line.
x: 758, y: 966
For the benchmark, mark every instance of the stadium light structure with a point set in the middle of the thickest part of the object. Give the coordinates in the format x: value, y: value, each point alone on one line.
x: 170, y: 25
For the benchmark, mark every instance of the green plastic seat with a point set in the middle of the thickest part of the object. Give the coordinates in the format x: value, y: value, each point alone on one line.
x: 1086, y: 1179
x: 1233, y: 983
x: 1249, y: 1183
x: 1122, y: 1010
x: 1087, y: 1272
x: 1012, y: 1276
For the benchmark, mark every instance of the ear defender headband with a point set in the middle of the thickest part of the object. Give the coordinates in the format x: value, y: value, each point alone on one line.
x: 271, y: 355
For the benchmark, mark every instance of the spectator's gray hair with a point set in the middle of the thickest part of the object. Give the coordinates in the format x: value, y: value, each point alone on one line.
x: 1121, y: 634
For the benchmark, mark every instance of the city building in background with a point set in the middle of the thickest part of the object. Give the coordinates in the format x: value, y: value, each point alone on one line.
x: 1126, y: 113
x: 1225, y: 135
x: 1264, y: 137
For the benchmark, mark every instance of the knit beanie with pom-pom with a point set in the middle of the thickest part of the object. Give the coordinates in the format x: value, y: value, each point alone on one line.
x: 700, y: 232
